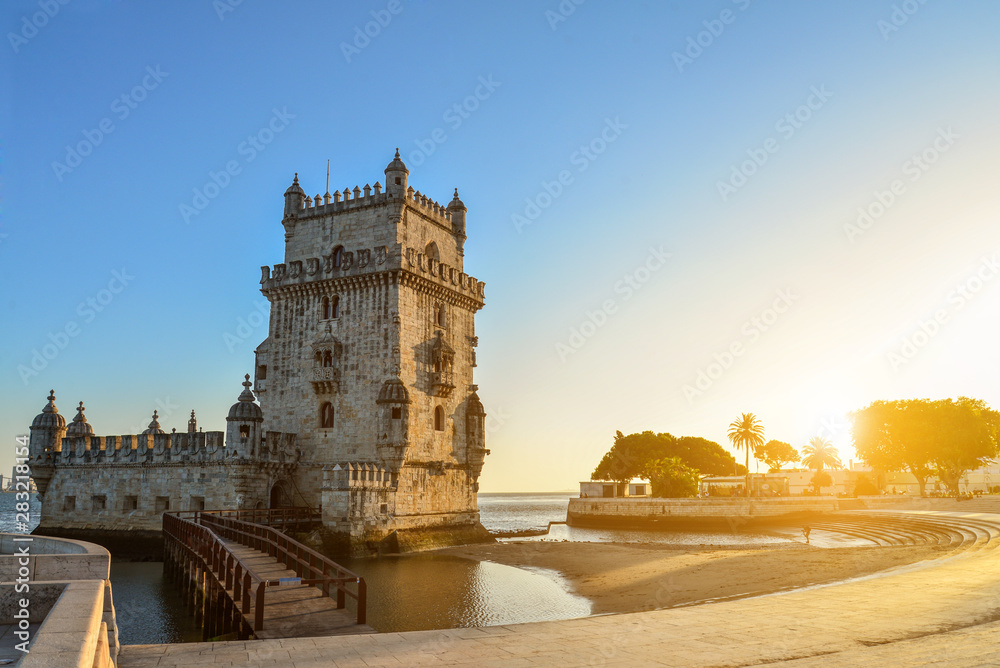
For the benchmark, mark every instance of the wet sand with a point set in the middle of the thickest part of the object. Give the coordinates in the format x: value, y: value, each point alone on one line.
x: 628, y: 578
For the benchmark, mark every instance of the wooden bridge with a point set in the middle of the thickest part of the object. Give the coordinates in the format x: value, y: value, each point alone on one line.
x: 243, y: 578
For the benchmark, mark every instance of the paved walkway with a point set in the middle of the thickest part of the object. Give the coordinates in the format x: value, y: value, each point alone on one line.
x: 934, y: 613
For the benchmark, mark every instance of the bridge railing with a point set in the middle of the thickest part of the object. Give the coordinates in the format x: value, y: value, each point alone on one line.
x: 200, y: 545
x: 310, y: 566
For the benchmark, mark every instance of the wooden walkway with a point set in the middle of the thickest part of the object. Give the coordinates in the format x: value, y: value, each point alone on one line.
x: 245, y: 579
x: 295, y: 611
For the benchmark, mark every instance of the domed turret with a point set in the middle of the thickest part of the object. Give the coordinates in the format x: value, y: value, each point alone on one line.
x: 396, y: 175
x: 457, y: 209
x: 245, y: 408
x: 294, y: 197
x: 80, y: 426
x: 393, y: 392
x: 49, y: 418
x: 475, y: 435
x: 243, y: 424
x: 154, y: 426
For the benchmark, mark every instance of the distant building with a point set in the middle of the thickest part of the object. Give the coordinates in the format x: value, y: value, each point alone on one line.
x: 591, y: 489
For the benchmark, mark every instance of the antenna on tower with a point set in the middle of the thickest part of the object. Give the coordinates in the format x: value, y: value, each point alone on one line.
x: 328, y: 178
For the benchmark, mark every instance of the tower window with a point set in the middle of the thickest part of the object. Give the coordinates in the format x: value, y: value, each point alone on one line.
x: 440, y: 315
x: 338, y: 256
x: 261, y: 372
x: 326, y: 415
x: 244, y: 432
x: 431, y: 251
x: 327, y: 309
x: 335, y: 307
x: 397, y: 413
x: 131, y: 503
x: 327, y: 358
x: 399, y: 181
x: 98, y: 502
x: 439, y: 419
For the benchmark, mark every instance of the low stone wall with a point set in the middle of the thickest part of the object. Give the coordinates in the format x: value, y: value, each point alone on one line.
x: 68, y: 592
x: 649, y: 512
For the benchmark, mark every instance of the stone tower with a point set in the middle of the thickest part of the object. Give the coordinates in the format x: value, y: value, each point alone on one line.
x: 369, y: 361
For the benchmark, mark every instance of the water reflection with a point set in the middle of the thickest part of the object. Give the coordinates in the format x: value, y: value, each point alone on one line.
x: 148, y: 609
x: 563, y: 532
x: 420, y: 592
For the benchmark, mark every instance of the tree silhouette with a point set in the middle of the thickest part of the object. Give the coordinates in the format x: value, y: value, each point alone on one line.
x: 744, y: 433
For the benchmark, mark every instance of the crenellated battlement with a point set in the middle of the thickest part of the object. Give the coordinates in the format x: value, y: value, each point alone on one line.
x: 366, y: 260
x: 360, y: 198
x: 357, y: 475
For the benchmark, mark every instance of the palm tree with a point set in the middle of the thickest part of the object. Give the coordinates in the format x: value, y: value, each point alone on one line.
x: 819, y: 453
x: 745, y: 433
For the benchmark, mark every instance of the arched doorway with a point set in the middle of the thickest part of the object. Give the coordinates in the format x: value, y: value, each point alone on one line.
x: 280, y: 498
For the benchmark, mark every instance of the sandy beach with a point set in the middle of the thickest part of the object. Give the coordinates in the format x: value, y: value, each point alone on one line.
x: 627, y: 577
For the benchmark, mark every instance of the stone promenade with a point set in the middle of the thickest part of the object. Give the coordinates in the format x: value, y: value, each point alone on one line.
x: 940, y: 612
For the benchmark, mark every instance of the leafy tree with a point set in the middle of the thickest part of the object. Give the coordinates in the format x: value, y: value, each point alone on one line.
x: 776, y: 454
x: 744, y: 433
x: 671, y: 478
x: 819, y: 453
x: 629, y: 455
x: 945, y: 437
x: 864, y: 487
x: 820, y: 480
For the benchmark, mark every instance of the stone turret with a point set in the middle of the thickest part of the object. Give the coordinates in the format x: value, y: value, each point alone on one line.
x: 80, y: 426
x: 243, y: 424
x: 47, y: 431
x: 154, y: 426
x: 393, y: 423
x: 192, y: 424
x: 295, y: 197
x: 396, y: 175
x: 475, y: 437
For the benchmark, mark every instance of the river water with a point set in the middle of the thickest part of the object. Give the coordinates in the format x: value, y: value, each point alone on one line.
x: 414, y: 592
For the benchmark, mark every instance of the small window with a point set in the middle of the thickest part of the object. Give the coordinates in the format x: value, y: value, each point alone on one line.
x: 197, y: 503
x: 69, y: 503
x: 131, y: 503
x: 431, y: 251
x: 439, y: 419
x: 162, y: 503
x: 327, y: 358
x: 98, y: 502
x: 326, y: 415
x: 335, y: 308
x: 440, y: 315
x: 244, y: 432
x: 397, y: 413
x: 399, y: 181
x: 338, y: 256
x: 327, y: 310
x: 384, y: 509
x: 262, y: 372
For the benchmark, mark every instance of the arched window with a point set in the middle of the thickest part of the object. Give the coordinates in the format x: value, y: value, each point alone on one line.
x: 338, y: 256
x: 431, y: 251
x: 326, y: 415
x: 439, y: 419
x: 335, y: 307
x: 440, y: 315
x: 327, y: 310
x: 327, y: 358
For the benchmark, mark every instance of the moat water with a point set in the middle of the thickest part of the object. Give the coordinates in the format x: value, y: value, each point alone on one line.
x: 413, y: 592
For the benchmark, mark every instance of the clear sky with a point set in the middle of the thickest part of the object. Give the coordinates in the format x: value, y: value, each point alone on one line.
x: 663, y: 200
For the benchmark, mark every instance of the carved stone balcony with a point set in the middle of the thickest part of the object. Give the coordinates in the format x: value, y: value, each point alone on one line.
x: 325, y: 379
x: 442, y: 383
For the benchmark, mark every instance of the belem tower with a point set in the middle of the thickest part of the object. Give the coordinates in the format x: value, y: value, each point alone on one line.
x: 362, y: 403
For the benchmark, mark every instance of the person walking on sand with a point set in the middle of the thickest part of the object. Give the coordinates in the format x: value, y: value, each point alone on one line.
x: 806, y: 530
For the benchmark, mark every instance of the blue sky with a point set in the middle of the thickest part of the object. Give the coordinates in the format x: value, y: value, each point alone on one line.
x: 745, y: 158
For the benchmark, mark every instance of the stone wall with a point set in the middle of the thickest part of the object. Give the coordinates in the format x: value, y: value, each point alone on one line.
x: 661, y: 512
